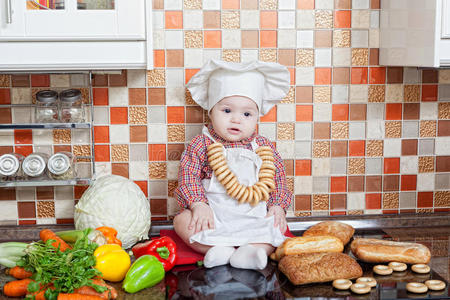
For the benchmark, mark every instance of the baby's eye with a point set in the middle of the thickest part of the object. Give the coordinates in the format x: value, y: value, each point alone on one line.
x: 227, y: 110
x: 247, y: 114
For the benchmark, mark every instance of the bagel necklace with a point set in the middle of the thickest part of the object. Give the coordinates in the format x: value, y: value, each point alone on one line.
x: 244, y: 194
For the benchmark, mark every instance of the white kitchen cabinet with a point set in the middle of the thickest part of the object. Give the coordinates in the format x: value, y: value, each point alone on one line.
x: 116, y: 37
x: 415, y: 33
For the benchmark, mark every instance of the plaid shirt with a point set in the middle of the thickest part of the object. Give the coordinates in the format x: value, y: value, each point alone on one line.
x: 194, y: 168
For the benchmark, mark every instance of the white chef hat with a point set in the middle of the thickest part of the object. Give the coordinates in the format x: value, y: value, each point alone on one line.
x: 265, y: 83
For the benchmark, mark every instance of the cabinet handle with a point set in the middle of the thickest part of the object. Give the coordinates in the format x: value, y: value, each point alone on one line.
x: 8, y: 12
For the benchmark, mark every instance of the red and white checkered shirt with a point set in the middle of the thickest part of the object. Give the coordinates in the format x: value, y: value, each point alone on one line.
x: 194, y: 168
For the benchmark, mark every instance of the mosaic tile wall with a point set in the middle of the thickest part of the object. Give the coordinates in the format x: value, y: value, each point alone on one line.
x: 356, y: 137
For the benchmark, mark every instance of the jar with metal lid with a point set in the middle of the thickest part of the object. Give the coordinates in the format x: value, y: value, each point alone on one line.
x: 61, y: 166
x: 46, y: 110
x: 10, y: 166
x: 72, y: 110
x: 34, y: 165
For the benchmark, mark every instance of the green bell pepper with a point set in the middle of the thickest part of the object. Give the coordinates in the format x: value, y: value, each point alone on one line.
x: 145, y: 272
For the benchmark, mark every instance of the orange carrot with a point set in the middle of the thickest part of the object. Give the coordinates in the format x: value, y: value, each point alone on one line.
x: 40, y: 295
x: 74, y: 296
x: 16, y: 288
x: 18, y: 272
x: 47, y: 234
x: 110, y: 293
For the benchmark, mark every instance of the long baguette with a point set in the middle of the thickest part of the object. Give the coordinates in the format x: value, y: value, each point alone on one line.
x: 380, y: 251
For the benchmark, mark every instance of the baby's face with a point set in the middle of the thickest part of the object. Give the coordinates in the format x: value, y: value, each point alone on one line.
x: 234, y: 118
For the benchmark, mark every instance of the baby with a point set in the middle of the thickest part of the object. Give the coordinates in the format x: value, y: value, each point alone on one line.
x: 213, y: 221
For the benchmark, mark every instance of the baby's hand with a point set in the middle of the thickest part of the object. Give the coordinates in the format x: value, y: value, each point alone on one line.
x: 202, y: 217
x: 279, y: 217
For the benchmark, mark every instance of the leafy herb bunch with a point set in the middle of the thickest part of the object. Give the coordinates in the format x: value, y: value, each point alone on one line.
x: 65, y: 271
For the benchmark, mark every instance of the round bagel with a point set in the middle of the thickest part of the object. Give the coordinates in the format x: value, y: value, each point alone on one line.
x: 230, y: 183
x: 267, y: 158
x: 264, y: 190
x: 234, y: 190
x: 213, y: 145
x: 244, y: 197
x: 227, y: 179
x: 263, y: 148
x: 222, y: 175
x: 214, y: 151
x: 268, y: 165
x: 214, y: 156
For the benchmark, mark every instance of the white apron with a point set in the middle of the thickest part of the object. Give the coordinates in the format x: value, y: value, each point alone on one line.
x: 237, y: 224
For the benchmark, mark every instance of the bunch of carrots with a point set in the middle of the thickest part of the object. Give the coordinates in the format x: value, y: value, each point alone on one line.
x: 34, y: 286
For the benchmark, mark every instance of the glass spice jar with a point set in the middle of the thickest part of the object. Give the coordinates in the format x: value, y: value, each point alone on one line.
x: 10, y: 166
x: 46, y: 109
x: 34, y: 165
x: 72, y: 108
x: 61, y: 166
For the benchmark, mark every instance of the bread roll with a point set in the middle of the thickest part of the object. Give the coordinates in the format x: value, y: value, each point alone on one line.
x: 319, y: 267
x: 342, y: 231
x: 303, y: 244
x: 380, y: 251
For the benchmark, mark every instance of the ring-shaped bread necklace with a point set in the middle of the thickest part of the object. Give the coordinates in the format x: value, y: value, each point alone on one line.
x: 244, y: 194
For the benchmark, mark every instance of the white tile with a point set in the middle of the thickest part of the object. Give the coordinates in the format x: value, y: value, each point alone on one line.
x: 269, y: 130
x: 302, y: 185
x: 6, y: 137
x: 356, y: 201
x: 339, y: 94
x: 173, y: 4
x: 375, y: 111
x: 374, y: 38
x: 428, y: 111
x: 342, y: 57
x: 84, y: 170
x: 9, y: 211
x: 63, y: 193
x: 64, y: 209
x: 358, y: 93
x: 192, y: 19
x: 157, y: 133
x: 375, y: 129
x: 324, y: 4
x: 138, y: 152
x: 249, y: 55
x: 357, y: 130
x: 21, y: 95
x: 425, y: 182
x: 138, y: 170
x: 47, y: 149
x: 338, y: 166
x: 374, y: 19
x: 304, y: 76
x: 136, y: 78
x: 392, y: 148
x: 410, y: 129
x: 306, y: 19
x: 79, y: 80
x: 60, y: 80
x: 322, y: 57
x: 360, y: 38
x: 172, y: 169
x: 174, y: 39
x: 174, y: 77
x: 303, y: 131
x: 157, y: 188
x: 360, y: 4
x: 320, y: 167
x: 286, y: 4
x: 407, y: 200
x: 426, y: 147
x: 305, y: 39
x: 119, y: 134
x: 411, y: 75
x: 286, y: 112
x: 22, y: 114
x: 81, y: 136
x: 118, y: 96
x: 286, y: 38
x: 211, y: 4
x: 394, y: 93
x: 156, y: 114
x: 360, y: 18
x: 26, y: 193
x: 175, y: 96
x: 231, y: 38
x: 286, y: 149
x: 409, y: 164
x: 320, y: 185
x: 442, y: 146
x: 159, y: 39
x: 286, y: 19
x: 192, y: 131
x: 172, y: 206
x: 373, y: 166
x: 444, y: 75
x: 373, y: 211
x: 249, y: 19
x: 193, y: 58
x: 45, y: 221
x: 158, y: 19
x: 210, y: 54
x: 302, y: 149
x: 102, y: 169
x: 101, y: 115
x: 42, y: 137
x: 322, y: 112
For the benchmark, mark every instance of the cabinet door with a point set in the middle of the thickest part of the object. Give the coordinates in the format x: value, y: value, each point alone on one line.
x: 445, y: 19
x: 74, y: 20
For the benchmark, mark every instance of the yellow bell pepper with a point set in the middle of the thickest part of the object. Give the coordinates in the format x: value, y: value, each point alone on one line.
x: 112, y: 261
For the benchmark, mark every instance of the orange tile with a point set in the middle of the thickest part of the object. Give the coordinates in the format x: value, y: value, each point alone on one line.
x: 24, y: 150
x: 100, y: 96
x: 156, y: 152
x: 101, y: 153
x: 136, y: 96
x: 23, y: 136
x: 425, y: 199
x: 408, y: 182
x: 268, y: 19
x: 377, y: 75
x: 322, y: 76
x: 391, y: 165
x: 303, y: 167
x: 373, y: 201
x: 188, y: 73
x: 230, y: 4
x: 101, y: 134
x: 338, y: 213
x: 343, y: 19
x: 305, y: 4
x: 212, y: 38
x: 79, y: 190
x: 339, y: 184
x: 271, y: 116
x: 40, y: 80
x: 174, y: 19
x: 356, y: 148
x: 359, y: 76
x: 292, y: 73
x: 143, y: 185
x: 118, y: 115
x: 429, y: 92
x: 304, y: 113
x: 159, y: 58
x: 175, y: 114
x: 5, y: 96
x: 339, y: 112
x: 393, y: 111
x: 268, y: 38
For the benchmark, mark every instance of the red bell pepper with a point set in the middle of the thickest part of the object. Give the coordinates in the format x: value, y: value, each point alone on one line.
x: 163, y: 248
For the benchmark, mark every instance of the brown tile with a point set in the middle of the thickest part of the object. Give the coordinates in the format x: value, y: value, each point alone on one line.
x: 430, y: 76
x: 373, y: 183
x: 175, y: 58
x: 343, y: 4
x: 211, y: 19
x: 390, y: 200
x: 391, y: 182
x: 395, y: 75
x: 176, y: 133
x: 444, y: 110
x: 26, y: 210
x: 158, y: 206
x: 7, y: 194
x: 136, y: 96
x: 157, y: 170
x: 100, y: 80
x: 62, y: 148
x: 375, y: 4
x: 138, y: 134
x: 20, y: 80
x: 339, y: 148
x: 289, y: 167
x: 374, y: 56
x: 249, y: 38
x: 443, y: 128
x: 442, y: 199
x: 427, y: 128
x: 5, y: 80
x: 5, y: 115
x: 249, y: 4
x: 442, y: 163
x: 356, y: 166
x: 320, y: 202
x: 5, y: 96
x: 377, y: 93
x: 338, y: 201
x: 303, y: 94
x: 45, y: 209
x: 321, y: 130
x: 357, y: 112
x: 323, y: 38
x: 120, y: 169
x: 156, y: 96
x: 118, y: 79
x: 411, y: 111
x: 393, y: 129
x: 426, y: 164
x: 45, y: 193
x: 356, y: 183
x: 174, y: 151
x: 411, y: 93
x: 158, y: 4
x: 194, y: 114
x: 409, y: 147
x: 341, y: 75
x: 286, y: 57
x: 6, y: 150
